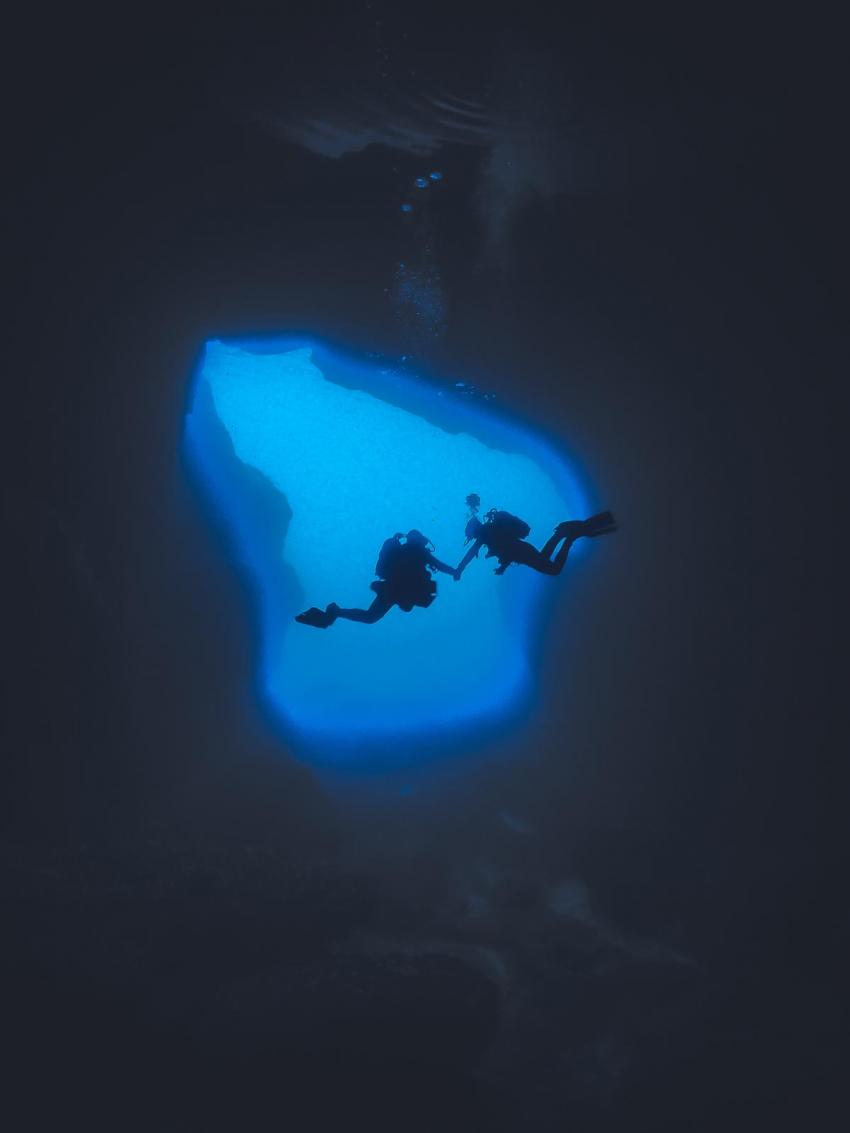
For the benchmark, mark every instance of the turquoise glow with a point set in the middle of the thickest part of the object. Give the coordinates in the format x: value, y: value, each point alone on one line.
x: 312, y: 460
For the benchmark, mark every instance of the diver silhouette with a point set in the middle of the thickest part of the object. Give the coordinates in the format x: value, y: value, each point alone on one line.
x: 404, y: 580
x: 504, y: 535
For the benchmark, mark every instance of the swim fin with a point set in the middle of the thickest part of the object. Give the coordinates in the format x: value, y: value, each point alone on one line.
x: 315, y: 617
x: 601, y: 524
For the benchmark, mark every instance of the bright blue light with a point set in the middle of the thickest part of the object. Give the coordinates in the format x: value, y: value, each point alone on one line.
x: 313, y: 460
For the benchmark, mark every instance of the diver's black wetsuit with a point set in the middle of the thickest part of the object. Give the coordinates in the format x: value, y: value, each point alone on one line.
x: 407, y: 582
x: 509, y: 548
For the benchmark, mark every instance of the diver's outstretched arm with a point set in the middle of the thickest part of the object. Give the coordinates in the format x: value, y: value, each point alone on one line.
x: 437, y: 565
x: 468, y: 557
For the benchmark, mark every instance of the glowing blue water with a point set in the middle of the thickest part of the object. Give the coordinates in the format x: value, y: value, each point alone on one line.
x: 313, y: 460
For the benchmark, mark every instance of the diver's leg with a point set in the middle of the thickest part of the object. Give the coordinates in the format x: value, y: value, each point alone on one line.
x: 601, y: 524
x: 368, y: 617
x: 570, y: 530
x: 529, y: 556
x: 561, y: 557
x: 551, y: 543
x: 540, y: 560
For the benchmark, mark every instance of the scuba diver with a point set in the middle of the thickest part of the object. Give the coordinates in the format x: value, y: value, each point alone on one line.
x: 504, y: 535
x: 404, y: 580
